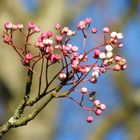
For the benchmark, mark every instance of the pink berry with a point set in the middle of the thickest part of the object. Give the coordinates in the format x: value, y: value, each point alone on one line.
x: 94, y: 30
x: 49, y: 34
x: 124, y: 67
x: 106, y: 30
x: 31, y: 25
x: 7, y: 39
x: 117, y: 67
x: 102, y: 107
x: 118, y: 58
x: 57, y: 26
x: 8, y: 25
x: 58, y: 38
x: 88, y: 20
x: 36, y: 29
x: 120, y: 45
x: 25, y: 62
x: 96, y: 53
x: 44, y: 34
x: 98, y: 112
x: 28, y: 56
x: 89, y: 119
x: 54, y: 58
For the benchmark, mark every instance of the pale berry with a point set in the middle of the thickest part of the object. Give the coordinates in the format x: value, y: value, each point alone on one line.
x: 7, y: 39
x: 47, y: 42
x: 109, y: 55
x: 119, y: 36
x: 49, y: 34
x: 69, y: 33
x: 74, y: 48
x: 118, y: 58
x: 62, y: 76
x: 108, y: 48
x: 113, y: 34
x: 96, y: 102
x: 19, y: 26
x: 84, y: 90
x: 95, y: 74
x: 102, y: 55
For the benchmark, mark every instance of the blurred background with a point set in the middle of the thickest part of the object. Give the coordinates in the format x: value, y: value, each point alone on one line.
x: 62, y: 119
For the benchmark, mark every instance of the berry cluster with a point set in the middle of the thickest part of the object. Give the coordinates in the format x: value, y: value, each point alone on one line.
x: 79, y: 65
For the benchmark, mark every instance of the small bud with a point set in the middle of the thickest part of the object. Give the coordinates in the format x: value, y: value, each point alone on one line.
x: 102, y: 55
x: 96, y: 102
x: 19, y: 26
x: 94, y: 30
x: 108, y: 48
x: 8, y: 25
x: 49, y: 34
x: 47, y: 42
x: 88, y: 20
x: 120, y: 45
x: 106, y: 30
x: 89, y: 119
x: 84, y: 90
x: 69, y: 33
x: 119, y: 36
x: 113, y: 34
x: 96, y: 53
x: 62, y: 76
x: 74, y: 48
x: 109, y: 55
x: 98, y: 112
x: 31, y: 25
x: 93, y: 80
x: 58, y: 38
x: 57, y: 26
x: 102, y: 107
x: 36, y: 29
x: 117, y: 67
x: 95, y: 74
x: 28, y: 56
